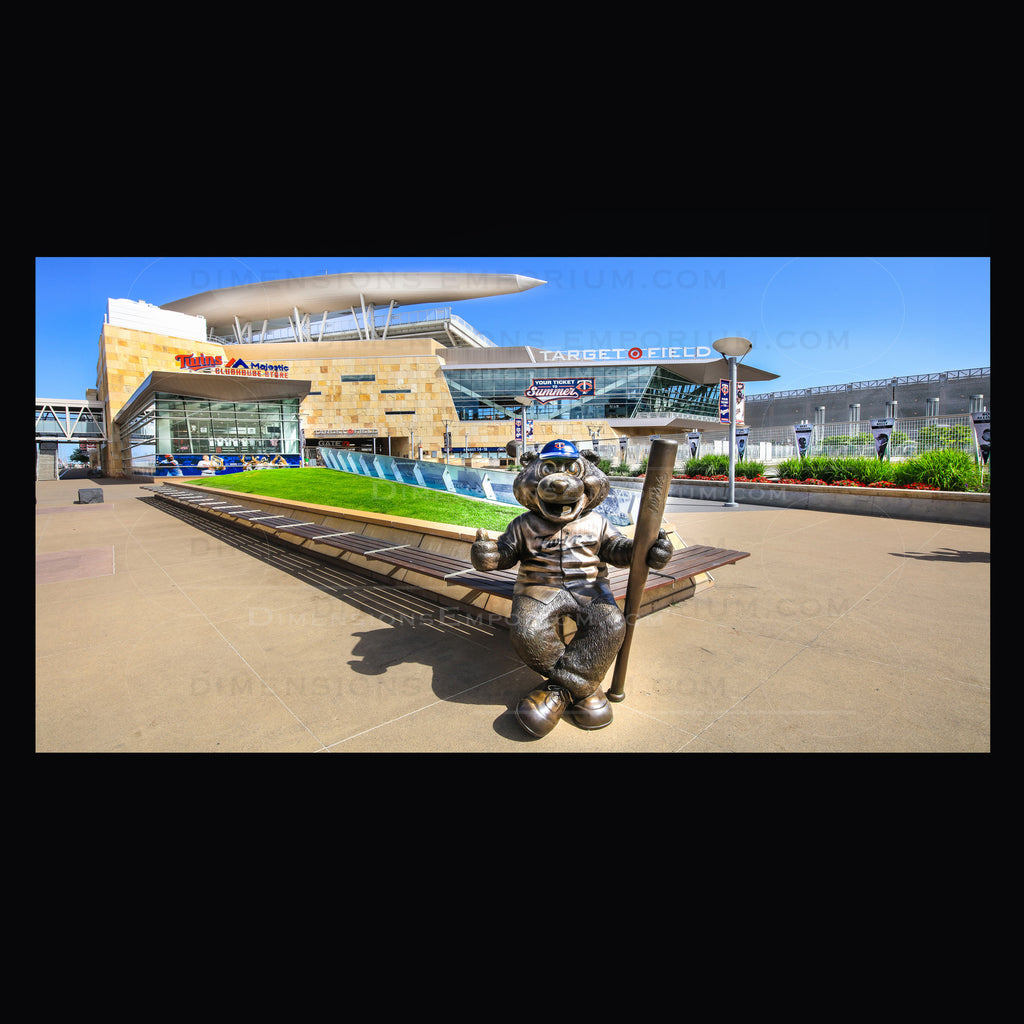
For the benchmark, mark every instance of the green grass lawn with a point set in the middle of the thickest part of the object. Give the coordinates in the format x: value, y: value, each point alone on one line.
x: 346, y: 490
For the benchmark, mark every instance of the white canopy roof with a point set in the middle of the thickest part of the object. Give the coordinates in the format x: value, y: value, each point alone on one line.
x: 277, y: 300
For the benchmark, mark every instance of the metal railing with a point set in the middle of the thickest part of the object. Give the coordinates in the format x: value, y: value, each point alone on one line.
x: 770, y: 445
x: 883, y: 382
x: 911, y: 436
x: 343, y: 324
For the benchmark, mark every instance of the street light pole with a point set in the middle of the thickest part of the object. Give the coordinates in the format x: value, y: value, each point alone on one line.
x: 732, y: 350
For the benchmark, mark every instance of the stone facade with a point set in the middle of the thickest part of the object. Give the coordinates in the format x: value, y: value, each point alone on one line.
x: 403, y: 400
x: 126, y: 358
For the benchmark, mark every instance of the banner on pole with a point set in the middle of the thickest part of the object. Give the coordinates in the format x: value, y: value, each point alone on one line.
x: 882, y: 432
x: 694, y: 442
x: 741, y: 443
x: 519, y: 428
x: 727, y: 402
x: 982, y: 422
x: 802, y: 432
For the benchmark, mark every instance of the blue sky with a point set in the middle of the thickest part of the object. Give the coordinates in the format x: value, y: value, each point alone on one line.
x: 813, y: 320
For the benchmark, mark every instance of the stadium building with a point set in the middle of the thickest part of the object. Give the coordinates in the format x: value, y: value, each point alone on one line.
x: 924, y: 395
x: 266, y: 373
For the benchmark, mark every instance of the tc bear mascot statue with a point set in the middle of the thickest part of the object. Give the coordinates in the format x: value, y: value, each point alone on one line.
x: 563, y: 548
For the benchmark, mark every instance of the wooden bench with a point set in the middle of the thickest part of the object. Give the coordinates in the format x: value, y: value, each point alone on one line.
x: 685, y: 564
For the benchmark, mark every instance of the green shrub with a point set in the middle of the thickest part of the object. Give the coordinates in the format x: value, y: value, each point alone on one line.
x: 716, y: 465
x: 789, y: 469
x: 831, y: 468
x: 949, y: 470
x: 708, y: 465
x: 804, y: 469
x: 862, y: 470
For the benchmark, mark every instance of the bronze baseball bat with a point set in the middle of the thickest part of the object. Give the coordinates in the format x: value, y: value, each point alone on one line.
x: 660, y: 462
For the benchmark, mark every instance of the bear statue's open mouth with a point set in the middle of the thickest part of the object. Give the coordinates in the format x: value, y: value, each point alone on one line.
x: 562, y: 512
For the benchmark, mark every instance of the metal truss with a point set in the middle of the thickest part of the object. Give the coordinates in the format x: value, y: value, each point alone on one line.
x: 69, y: 420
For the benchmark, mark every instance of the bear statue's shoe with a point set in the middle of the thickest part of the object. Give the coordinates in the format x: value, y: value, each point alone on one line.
x: 593, y: 712
x: 540, y: 711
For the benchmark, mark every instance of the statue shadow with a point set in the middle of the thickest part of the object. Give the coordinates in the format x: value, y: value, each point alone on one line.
x: 469, y: 653
x: 481, y: 669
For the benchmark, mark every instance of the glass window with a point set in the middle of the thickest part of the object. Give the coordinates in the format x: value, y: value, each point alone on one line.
x: 187, y: 429
x: 619, y: 392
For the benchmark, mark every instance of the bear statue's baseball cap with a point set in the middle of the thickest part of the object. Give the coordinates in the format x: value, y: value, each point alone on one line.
x: 559, y: 450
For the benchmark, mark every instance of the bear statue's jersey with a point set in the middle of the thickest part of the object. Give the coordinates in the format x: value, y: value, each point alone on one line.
x: 554, y: 557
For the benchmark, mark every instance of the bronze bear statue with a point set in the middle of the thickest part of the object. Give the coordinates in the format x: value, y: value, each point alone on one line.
x: 563, y: 547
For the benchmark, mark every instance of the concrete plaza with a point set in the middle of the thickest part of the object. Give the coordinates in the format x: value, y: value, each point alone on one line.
x: 158, y: 631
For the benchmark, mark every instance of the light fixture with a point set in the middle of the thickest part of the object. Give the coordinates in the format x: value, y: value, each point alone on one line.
x: 732, y: 349
x: 735, y: 348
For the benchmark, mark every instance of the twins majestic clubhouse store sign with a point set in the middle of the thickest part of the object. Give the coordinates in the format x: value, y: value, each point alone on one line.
x: 231, y: 368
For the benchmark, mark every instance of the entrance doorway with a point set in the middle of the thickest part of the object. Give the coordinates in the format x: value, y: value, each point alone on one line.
x: 367, y: 444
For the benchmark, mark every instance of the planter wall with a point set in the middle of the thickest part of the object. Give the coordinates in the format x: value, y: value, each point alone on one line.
x: 967, y: 509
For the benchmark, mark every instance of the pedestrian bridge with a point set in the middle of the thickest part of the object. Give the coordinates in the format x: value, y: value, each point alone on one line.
x: 69, y: 420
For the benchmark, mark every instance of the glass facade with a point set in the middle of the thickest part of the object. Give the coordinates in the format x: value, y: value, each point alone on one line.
x: 620, y: 392
x: 176, y: 436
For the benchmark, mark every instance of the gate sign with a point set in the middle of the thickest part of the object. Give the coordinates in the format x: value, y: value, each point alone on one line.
x: 982, y: 422
x: 882, y: 431
x: 563, y: 387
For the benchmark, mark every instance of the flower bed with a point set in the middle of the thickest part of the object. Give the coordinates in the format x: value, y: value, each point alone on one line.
x: 809, y: 480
